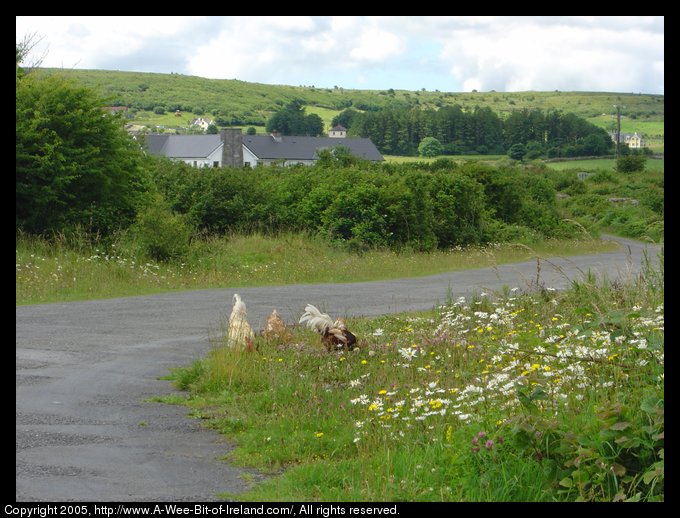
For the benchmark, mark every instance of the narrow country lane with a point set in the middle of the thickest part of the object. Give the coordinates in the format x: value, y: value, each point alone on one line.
x: 85, y: 370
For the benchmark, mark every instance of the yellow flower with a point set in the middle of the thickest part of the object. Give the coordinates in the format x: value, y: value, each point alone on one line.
x: 363, y: 362
x: 319, y: 435
x: 280, y: 359
x: 535, y: 366
x: 547, y: 368
x: 372, y: 407
x: 342, y: 358
x: 382, y: 392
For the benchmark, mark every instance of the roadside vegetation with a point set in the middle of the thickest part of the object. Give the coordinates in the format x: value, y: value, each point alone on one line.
x: 72, y: 267
x: 551, y: 396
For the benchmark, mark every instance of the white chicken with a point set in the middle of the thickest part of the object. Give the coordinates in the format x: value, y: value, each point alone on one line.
x: 333, y: 333
x: 240, y: 333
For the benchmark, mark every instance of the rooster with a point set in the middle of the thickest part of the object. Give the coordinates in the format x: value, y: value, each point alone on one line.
x: 333, y: 333
x: 240, y: 333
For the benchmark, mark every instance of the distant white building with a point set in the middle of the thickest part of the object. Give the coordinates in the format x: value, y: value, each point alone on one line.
x: 632, y: 140
x: 338, y: 132
x: 201, y: 122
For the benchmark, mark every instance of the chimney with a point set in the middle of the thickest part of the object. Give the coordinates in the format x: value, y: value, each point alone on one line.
x: 232, y: 151
x: 276, y: 135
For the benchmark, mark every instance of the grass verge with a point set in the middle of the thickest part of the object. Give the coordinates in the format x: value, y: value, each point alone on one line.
x: 63, y: 270
x: 515, y: 397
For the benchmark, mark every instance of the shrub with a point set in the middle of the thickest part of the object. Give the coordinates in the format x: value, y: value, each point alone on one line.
x: 631, y: 163
x: 160, y: 234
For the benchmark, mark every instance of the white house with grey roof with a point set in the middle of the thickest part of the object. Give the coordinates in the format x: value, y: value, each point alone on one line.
x: 195, y: 150
x: 632, y: 140
x: 231, y: 148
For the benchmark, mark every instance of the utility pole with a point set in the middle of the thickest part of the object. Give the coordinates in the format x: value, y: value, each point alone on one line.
x: 618, y: 130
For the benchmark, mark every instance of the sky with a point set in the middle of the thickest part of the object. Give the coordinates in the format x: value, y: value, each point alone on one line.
x: 446, y: 53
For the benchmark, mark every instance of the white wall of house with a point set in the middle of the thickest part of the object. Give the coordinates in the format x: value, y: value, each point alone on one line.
x: 202, y: 123
x: 337, y: 134
x: 249, y: 158
x: 209, y: 161
x: 636, y: 142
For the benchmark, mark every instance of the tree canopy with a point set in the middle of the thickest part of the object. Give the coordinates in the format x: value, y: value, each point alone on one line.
x: 75, y: 164
x: 292, y: 120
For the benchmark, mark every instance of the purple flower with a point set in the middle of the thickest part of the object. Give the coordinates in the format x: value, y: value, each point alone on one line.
x: 475, y: 449
x: 475, y: 441
x: 481, y: 435
x: 489, y: 444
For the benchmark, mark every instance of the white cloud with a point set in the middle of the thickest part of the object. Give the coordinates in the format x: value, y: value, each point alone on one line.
x: 448, y: 53
x: 525, y: 55
x: 375, y: 45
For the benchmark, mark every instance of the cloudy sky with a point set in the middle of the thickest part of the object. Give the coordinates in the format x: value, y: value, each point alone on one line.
x: 453, y: 54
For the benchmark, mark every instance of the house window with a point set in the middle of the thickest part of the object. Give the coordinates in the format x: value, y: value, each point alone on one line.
x: 216, y: 164
x: 246, y: 164
x: 195, y: 163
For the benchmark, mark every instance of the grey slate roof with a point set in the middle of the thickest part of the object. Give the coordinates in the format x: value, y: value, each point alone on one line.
x: 182, y: 146
x: 304, y: 148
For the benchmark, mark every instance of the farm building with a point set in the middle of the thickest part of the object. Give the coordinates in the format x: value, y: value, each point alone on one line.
x: 231, y: 148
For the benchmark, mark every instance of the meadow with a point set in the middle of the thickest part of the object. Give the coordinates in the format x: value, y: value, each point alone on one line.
x: 68, y: 268
x: 608, y: 164
x: 512, y: 396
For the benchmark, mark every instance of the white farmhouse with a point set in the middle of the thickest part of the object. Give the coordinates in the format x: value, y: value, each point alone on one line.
x: 232, y: 148
x: 201, y: 122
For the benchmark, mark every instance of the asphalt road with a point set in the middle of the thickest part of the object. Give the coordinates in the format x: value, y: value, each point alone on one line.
x: 84, y: 370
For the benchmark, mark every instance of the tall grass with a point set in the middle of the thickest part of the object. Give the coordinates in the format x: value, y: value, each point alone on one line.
x: 515, y: 397
x: 76, y: 268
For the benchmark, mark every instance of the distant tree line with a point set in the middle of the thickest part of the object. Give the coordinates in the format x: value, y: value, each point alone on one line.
x: 399, y: 131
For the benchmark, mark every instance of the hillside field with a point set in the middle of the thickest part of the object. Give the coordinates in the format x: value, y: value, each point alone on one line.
x: 246, y: 104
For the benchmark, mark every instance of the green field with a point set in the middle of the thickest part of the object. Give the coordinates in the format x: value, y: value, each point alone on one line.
x: 608, y: 164
x: 457, y: 158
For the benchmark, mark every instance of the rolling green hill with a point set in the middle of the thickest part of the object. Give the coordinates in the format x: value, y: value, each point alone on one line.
x: 240, y: 103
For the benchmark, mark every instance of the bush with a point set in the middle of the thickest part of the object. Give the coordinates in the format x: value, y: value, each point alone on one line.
x: 517, y: 151
x: 161, y: 235
x: 631, y: 163
x: 430, y: 147
x: 74, y: 166
x: 159, y: 110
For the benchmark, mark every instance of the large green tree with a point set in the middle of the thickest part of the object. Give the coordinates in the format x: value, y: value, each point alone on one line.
x: 292, y: 120
x: 75, y: 164
x: 430, y: 147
